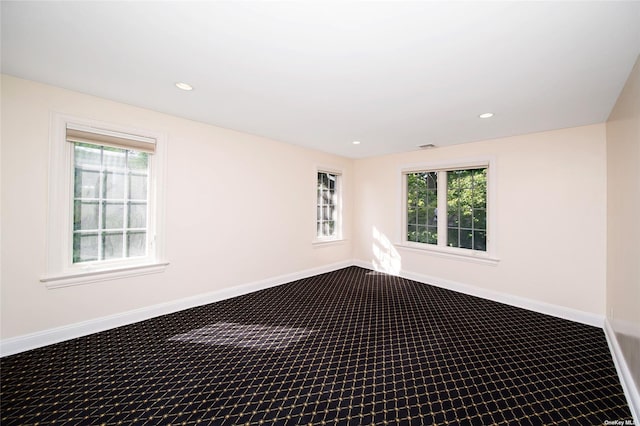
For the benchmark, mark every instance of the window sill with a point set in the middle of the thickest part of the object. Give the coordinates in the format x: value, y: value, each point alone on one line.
x: 96, y: 275
x: 326, y: 243
x: 473, y: 257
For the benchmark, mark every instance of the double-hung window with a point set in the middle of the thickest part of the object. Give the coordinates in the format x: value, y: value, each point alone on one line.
x: 110, y: 196
x: 328, y: 206
x: 104, y: 203
x: 446, y: 208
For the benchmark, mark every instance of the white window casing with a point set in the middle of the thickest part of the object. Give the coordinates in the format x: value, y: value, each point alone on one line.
x: 488, y: 256
x: 337, y: 236
x: 60, y: 269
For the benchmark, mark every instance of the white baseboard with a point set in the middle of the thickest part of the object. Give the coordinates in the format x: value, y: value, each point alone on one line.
x: 47, y: 337
x: 509, y: 299
x: 624, y: 374
x: 27, y: 342
x: 629, y: 386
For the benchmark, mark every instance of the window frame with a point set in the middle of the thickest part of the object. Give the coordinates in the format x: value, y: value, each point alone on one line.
x: 102, y: 201
x: 441, y: 249
x: 61, y: 271
x: 339, y: 206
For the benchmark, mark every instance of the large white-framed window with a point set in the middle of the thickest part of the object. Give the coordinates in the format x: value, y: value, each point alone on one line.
x: 448, y: 208
x: 328, y: 205
x: 105, y: 202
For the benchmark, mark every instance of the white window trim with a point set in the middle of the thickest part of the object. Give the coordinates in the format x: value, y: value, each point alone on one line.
x: 339, y: 237
x: 60, y: 271
x: 490, y: 256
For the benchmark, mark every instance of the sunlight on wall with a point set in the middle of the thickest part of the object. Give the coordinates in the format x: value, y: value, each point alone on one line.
x: 385, y: 256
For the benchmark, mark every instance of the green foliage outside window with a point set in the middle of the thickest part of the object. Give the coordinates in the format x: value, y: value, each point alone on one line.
x: 466, y: 208
x: 422, y: 207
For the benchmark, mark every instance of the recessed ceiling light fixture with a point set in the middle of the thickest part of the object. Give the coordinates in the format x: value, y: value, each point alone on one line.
x: 486, y: 115
x: 184, y: 86
x: 356, y: 142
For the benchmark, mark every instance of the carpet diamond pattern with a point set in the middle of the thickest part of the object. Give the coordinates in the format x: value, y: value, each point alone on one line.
x: 349, y: 347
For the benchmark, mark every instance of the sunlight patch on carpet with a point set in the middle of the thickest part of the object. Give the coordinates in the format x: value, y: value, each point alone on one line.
x: 255, y: 336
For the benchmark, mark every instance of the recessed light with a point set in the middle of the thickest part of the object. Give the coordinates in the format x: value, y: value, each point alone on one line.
x: 356, y: 142
x: 184, y: 86
x: 486, y: 115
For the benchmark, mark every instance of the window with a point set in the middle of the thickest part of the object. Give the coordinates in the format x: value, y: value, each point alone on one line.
x: 103, y: 214
x: 467, y: 209
x: 446, y: 208
x: 328, y: 219
x: 109, y: 203
x: 422, y: 207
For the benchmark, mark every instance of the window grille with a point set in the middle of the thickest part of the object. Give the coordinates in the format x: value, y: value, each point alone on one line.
x: 110, y: 195
x: 327, y: 220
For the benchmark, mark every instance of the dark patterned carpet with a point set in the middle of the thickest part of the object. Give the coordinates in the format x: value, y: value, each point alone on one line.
x: 349, y: 347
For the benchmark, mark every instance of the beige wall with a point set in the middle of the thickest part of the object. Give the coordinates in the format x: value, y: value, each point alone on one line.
x: 550, y: 205
x: 623, y: 225
x: 551, y: 215
x: 239, y: 208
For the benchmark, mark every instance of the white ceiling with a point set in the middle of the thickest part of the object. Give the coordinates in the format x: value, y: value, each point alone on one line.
x: 393, y: 75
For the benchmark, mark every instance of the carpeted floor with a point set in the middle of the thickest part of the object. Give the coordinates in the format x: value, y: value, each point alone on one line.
x: 349, y: 347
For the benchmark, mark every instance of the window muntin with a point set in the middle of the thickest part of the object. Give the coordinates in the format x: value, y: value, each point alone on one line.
x: 467, y: 209
x: 422, y: 207
x: 457, y: 194
x: 110, y: 203
x: 327, y: 205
